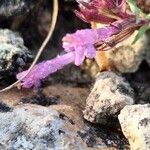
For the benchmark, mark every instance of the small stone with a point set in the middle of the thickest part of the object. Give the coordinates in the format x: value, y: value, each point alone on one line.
x: 135, y: 124
x: 108, y: 96
x: 13, y: 54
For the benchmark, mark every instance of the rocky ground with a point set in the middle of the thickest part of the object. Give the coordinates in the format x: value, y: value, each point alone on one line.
x: 76, y: 108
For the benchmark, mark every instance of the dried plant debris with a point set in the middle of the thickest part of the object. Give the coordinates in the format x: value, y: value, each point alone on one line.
x: 16, y: 7
x: 13, y: 54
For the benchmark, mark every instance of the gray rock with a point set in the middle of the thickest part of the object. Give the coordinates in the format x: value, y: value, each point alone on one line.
x: 32, y: 127
x: 13, y: 53
x: 135, y: 124
x: 16, y: 7
x: 144, y: 5
x: 108, y: 96
x: 57, y: 127
x: 10, y: 37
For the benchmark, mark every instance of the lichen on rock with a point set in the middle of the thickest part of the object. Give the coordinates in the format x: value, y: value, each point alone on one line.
x: 13, y: 54
x: 135, y: 124
x: 36, y: 127
x: 108, y: 96
x: 16, y: 7
x: 44, y: 128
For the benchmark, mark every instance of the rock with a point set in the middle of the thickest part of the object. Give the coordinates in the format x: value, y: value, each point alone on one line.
x: 127, y: 57
x: 16, y: 7
x: 13, y: 54
x: 8, y: 36
x: 36, y: 127
x: 86, y: 132
x: 108, y: 96
x: 135, y: 124
x: 4, y: 107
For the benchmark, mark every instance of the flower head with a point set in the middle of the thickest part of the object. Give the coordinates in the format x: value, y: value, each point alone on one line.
x: 84, y: 43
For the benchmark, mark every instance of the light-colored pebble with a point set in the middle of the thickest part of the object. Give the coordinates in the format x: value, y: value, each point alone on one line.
x: 109, y: 95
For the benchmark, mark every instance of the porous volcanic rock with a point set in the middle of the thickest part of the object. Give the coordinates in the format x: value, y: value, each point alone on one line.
x: 36, y: 127
x: 135, y: 124
x: 109, y: 95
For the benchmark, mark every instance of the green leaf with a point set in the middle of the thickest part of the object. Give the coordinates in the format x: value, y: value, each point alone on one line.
x: 134, y: 9
x: 140, y: 33
x: 147, y: 17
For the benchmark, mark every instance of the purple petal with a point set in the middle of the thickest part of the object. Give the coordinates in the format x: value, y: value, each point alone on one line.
x: 79, y: 55
x: 104, y: 33
x: 87, y: 37
x: 42, y: 70
x: 90, y: 52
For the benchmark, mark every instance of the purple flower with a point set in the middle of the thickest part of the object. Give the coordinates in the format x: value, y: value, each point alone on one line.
x: 77, y: 45
x: 43, y: 69
x: 82, y: 42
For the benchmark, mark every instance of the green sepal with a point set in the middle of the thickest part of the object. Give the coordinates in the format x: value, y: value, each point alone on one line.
x: 147, y: 17
x: 134, y: 8
x: 140, y: 33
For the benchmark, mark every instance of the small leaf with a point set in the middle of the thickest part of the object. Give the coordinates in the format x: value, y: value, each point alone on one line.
x: 140, y: 33
x: 134, y: 9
